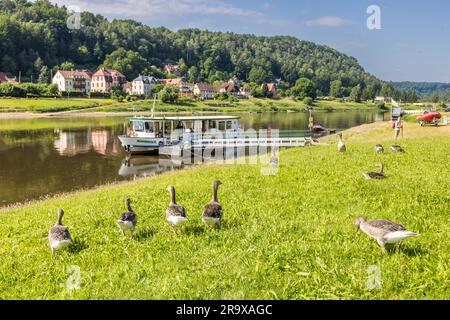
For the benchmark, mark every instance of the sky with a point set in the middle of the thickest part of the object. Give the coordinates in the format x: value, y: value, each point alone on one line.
x: 411, y: 45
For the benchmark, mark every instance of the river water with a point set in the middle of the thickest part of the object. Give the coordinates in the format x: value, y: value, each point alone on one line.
x: 41, y: 157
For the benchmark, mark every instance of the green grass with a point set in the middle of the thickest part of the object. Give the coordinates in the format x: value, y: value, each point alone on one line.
x: 49, y: 105
x: 288, y: 236
x: 244, y: 105
x: 184, y: 105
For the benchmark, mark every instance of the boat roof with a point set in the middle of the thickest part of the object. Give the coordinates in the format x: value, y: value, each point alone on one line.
x: 184, y: 118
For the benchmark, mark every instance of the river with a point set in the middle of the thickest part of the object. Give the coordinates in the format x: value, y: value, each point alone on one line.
x: 41, y: 157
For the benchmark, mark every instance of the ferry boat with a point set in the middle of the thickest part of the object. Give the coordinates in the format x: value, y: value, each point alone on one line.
x: 170, y: 135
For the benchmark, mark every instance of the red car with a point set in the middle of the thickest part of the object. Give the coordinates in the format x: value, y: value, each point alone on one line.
x: 429, y: 117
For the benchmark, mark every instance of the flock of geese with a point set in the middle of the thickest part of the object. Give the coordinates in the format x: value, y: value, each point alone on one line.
x: 383, y: 231
x: 59, y: 235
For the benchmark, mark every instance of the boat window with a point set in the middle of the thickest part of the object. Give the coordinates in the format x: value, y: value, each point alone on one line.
x: 212, y: 124
x: 138, y: 126
x: 221, y: 125
x: 149, y: 127
x: 228, y: 125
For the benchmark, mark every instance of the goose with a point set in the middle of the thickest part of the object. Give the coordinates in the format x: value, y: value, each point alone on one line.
x: 379, y: 148
x: 127, y: 220
x: 175, y: 214
x: 274, y: 160
x: 384, y: 231
x: 212, y: 213
x: 376, y: 175
x: 396, y: 148
x: 59, y: 236
x: 341, y: 144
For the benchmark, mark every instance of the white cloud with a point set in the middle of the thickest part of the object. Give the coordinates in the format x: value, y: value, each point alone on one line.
x: 329, y: 22
x: 159, y: 8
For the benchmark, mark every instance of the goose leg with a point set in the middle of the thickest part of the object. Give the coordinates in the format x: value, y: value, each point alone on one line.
x: 53, y: 253
x: 382, y: 245
x: 131, y: 233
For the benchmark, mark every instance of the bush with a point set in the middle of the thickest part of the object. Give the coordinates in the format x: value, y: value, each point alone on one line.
x: 381, y: 106
x: 308, y: 101
x: 168, y: 94
x: 72, y: 94
x: 12, y: 90
x: 100, y: 95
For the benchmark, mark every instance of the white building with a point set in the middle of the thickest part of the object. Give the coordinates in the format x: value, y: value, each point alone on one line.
x: 204, y: 90
x: 73, y: 80
x: 142, y: 85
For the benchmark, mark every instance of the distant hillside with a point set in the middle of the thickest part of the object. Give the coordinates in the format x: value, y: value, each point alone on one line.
x: 34, y: 39
x: 424, y: 89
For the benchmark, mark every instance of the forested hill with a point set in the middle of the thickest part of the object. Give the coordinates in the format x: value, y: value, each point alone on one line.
x: 422, y: 88
x: 34, y: 38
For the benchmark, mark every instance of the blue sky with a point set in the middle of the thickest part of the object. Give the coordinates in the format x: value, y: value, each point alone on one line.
x: 412, y: 44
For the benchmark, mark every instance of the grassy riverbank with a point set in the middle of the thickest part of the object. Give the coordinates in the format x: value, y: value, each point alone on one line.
x: 40, y: 105
x: 81, y: 105
x: 288, y: 236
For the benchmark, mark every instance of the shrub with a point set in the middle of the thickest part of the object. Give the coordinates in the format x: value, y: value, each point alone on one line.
x: 12, y: 90
x: 308, y: 101
x: 100, y: 95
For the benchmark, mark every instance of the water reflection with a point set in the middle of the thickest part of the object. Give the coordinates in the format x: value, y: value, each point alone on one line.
x: 73, y: 142
x: 145, y: 166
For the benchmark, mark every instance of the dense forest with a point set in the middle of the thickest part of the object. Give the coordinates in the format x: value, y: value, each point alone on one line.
x: 424, y: 89
x: 35, y: 40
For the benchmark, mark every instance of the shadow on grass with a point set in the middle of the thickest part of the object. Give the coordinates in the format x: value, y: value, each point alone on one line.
x: 193, y: 230
x: 78, y: 245
x: 407, y: 251
x: 144, y: 234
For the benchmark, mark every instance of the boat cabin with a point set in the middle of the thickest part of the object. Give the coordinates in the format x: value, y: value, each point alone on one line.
x: 173, y: 128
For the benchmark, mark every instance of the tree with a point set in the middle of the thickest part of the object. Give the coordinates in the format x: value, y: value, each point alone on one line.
x: 66, y: 65
x: 44, y: 75
x: 435, y: 97
x: 130, y: 63
x: 355, y: 94
x: 260, y: 75
x: 169, y: 94
x: 303, y: 88
x: 336, y: 89
x: 193, y: 74
x: 265, y: 90
x: 386, y: 90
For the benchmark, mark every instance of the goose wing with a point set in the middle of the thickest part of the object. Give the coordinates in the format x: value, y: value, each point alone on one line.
x: 386, y: 225
x: 128, y: 216
x: 175, y: 210
x: 59, y: 233
x: 212, y: 210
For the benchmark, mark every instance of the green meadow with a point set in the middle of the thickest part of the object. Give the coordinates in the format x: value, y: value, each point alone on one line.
x: 284, y: 236
x: 40, y: 105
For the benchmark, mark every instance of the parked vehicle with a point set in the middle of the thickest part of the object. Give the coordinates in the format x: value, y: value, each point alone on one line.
x: 429, y: 117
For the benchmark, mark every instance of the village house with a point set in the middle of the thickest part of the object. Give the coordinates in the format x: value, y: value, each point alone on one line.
x: 172, y: 69
x: 127, y: 88
x: 272, y: 87
x: 231, y: 88
x: 5, y: 79
x: 73, y: 80
x: 142, y: 85
x: 204, y: 90
x: 185, y: 89
x: 244, y: 92
x: 106, y: 79
x: 382, y: 99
